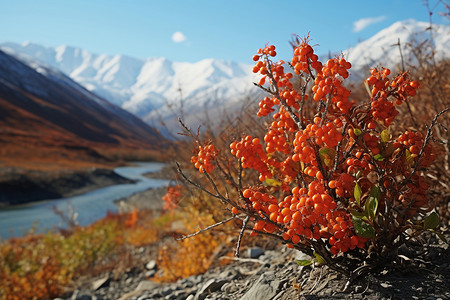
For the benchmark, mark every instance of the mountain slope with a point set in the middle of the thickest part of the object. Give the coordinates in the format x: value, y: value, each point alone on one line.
x: 382, y: 49
x: 140, y: 85
x: 45, y: 117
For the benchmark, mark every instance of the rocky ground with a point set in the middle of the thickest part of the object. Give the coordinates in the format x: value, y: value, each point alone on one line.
x: 423, y: 273
x: 274, y: 274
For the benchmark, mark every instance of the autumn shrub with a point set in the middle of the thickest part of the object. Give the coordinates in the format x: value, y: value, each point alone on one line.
x: 333, y: 176
x: 43, y: 266
x: 29, y: 271
x: 190, y: 256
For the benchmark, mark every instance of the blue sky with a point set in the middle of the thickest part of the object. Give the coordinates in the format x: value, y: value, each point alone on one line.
x: 192, y: 30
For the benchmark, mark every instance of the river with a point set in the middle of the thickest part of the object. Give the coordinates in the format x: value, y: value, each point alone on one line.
x: 90, y: 207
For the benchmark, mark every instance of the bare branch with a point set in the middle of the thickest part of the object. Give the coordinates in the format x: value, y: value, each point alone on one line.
x: 238, y: 245
x: 207, y: 228
x: 425, y: 142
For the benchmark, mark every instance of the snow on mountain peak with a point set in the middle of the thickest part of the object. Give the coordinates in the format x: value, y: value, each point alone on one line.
x: 383, y: 47
x: 139, y: 85
x: 143, y: 86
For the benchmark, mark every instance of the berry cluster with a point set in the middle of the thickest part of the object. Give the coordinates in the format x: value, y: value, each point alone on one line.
x: 266, y: 106
x: 205, y: 155
x: 413, y: 141
x: 250, y: 151
x: 304, y: 57
x: 382, y: 109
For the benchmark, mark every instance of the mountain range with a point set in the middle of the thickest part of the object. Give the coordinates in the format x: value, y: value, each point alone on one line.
x: 48, y: 120
x: 152, y: 88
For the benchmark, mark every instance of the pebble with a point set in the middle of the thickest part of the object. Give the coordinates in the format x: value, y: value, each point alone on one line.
x: 254, y: 252
x: 151, y: 265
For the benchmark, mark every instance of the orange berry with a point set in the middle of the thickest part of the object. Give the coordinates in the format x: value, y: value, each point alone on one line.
x: 295, y: 239
x: 415, y: 84
x: 273, y: 208
x: 332, y: 184
x: 297, y: 216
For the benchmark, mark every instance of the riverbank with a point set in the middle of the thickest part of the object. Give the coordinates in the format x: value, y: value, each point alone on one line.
x: 20, y: 186
x: 150, y: 199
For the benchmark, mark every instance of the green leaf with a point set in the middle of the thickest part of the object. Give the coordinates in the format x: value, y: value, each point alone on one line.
x: 319, y: 259
x: 362, y: 228
x: 431, y: 221
x: 371, y: 204
x: 304, y: 262
x: 327, y: 156
x: 273, y: 182
x: 379, y: 157
x: 385, y: 135
x: 357, y: 214
x: 357, y: 131
x: 357, y: 194
x: 409, y: 158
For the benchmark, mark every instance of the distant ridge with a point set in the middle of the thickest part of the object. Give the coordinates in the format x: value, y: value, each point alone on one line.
x: 45, y: 117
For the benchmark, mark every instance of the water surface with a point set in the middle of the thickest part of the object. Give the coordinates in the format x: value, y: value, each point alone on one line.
x: 91, y: 206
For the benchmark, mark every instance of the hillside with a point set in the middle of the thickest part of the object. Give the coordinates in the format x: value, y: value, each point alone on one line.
x: 49, y: 123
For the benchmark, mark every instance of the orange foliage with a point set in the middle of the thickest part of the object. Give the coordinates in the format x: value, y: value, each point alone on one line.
x: 132, y: 218
x: 172, y: 197
x: 192, y: 256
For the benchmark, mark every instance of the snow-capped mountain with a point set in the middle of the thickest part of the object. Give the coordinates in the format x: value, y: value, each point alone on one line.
x: 382, y: 49
x: 33, y: 97
x: 141, y: 85
x: 152, y: 88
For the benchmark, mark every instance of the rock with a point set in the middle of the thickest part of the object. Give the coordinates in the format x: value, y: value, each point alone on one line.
x: 228, y: 288
x: 386, y: 285
x: 146, y: 285
x: 77, y: 295
x: 359, y: 289
x: 210, y: 286
x: 166, y: 291
x: 254, y: 252
x: 100, y: 283
x: 266, y: 287
x: 151, y: 265
x: 150, y: 273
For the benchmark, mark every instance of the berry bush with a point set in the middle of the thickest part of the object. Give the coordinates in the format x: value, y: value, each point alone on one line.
x: 334, y: 178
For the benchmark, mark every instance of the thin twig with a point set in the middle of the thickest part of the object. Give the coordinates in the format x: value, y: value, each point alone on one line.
x: 243, y: 259
x: 238, y: 244
x: 180, y: 171
x: 207, y: 228
x: 317, y: 281
x: 425, y: 142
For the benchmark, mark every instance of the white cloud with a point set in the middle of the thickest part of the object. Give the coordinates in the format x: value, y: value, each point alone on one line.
x: 178, y: 37
x: 363, y: 23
